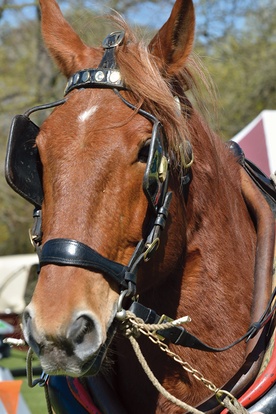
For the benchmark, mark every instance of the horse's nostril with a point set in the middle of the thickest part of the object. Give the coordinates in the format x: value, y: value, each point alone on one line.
x: 82, y: 326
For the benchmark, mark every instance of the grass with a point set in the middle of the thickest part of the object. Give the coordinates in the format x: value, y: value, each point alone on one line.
x: 34, y: 397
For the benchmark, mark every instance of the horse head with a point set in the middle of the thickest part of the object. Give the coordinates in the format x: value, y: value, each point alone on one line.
x: 94, y: 151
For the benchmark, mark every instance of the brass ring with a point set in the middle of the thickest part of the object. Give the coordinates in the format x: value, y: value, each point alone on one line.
x: 222, y: 394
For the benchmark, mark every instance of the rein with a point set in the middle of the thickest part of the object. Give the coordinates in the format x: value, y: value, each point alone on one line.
x: 178, y: 335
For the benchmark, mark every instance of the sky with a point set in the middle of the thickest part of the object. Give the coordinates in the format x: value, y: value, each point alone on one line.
x: 147, y: 14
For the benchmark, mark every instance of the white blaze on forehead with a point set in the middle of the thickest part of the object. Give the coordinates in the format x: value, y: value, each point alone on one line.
x: 87, y: 113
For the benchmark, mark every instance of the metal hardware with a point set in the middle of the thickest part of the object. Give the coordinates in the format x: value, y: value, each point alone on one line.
x: 221, y: 394
x: 121, y: 312
x: 113, y: 39
x: 163, y: 169
x: 151, y: 248
x: 102, y: 77
x: 186, y: 154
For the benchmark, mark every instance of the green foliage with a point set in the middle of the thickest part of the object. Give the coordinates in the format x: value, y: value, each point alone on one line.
x: 242, y: 64
x: 28, y: 78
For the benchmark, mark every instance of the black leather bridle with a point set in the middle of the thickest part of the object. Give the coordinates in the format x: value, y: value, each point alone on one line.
x: 23, y: 162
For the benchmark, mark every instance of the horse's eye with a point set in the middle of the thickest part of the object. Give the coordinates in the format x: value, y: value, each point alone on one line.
x: 144, y: 152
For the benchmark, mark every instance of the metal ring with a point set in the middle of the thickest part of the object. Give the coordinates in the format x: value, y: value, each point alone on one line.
x: 222, y: 394
x: 113, y: 39
x: 121, y: 312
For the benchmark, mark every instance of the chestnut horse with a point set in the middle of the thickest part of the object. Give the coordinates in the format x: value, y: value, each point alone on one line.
x: 126, y: 103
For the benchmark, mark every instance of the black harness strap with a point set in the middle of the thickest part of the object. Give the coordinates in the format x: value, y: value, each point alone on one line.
x: 68, y: 252
x: 180, y: 336
x: 265, y: 184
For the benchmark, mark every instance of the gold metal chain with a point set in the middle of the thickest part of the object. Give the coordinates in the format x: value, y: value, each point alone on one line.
x: 133, y: 325
x: 150, y: 331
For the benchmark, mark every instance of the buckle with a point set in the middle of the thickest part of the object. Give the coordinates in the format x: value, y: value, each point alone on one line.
x: 163, y: 319
x: 113, y: 39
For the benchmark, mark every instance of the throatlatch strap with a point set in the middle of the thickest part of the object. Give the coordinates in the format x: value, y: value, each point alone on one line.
x: 68, y: 252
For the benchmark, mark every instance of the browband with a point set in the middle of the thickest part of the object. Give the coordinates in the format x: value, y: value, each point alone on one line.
x: 97, y: 78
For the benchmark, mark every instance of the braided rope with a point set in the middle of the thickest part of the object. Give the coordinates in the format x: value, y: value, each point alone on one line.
x: 233, y: 406
x: 155, y: 381
x: 133, y: 326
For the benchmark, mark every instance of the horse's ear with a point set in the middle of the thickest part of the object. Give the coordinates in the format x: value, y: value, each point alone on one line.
x: 63, y: 43
x: 174, y: 41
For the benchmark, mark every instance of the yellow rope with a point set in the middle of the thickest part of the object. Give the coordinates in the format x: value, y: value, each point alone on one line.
x: 133, y: 326
x: 155, y: 381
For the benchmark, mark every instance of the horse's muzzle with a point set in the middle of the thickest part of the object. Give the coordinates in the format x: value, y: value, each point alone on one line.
x: 74, y: 350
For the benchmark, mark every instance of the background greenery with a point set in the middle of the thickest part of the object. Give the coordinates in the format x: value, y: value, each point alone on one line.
x: 235, y: 40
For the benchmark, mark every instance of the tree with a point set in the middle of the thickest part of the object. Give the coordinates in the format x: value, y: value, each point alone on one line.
x: 242, y: 64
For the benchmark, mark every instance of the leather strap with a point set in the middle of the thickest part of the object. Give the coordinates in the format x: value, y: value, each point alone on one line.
x: 180, y: 336
x: 265, y: 184
x: 68, y: 252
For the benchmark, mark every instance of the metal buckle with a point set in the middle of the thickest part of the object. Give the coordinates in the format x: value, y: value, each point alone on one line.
x: 113, y: 39
x: 163, y: 319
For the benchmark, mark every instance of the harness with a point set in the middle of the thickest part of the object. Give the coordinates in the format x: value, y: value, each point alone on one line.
x: 23, y: 171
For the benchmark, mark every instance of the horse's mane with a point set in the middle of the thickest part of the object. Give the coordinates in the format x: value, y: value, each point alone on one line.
x: 156, y: 91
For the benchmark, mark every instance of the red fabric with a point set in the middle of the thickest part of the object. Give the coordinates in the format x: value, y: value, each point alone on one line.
x: 262, y: 384
x: 82, y: 396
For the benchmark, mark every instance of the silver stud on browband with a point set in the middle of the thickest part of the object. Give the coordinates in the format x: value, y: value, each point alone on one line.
x: 76, y: 78
x: 99, y: 76
x: 85, y: 77
x: 114, y: 76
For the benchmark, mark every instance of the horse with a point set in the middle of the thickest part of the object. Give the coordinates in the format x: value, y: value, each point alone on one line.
x: 140, y: 205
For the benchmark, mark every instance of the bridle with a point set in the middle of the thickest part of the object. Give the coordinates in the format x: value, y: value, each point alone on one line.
x: 71, y: 252
x: 74, y: 253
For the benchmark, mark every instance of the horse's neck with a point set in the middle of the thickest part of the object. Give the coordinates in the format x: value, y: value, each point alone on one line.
x: 209, y: 282
x: 219, y: 233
